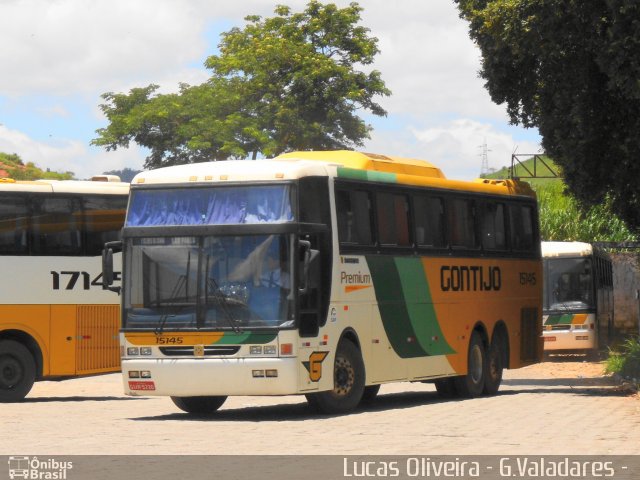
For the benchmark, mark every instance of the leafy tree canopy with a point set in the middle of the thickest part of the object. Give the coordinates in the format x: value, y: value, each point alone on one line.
x: 289, y: 82
x: 570, y: 68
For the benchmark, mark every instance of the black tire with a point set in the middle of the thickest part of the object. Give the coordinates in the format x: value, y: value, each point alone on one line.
x: 471, y: 385
x: 495, y: 366
x: 17, y: 371
x: 348, y: 380
x: 199, y: 405
x: 446, y: 387
x: 370, y: 393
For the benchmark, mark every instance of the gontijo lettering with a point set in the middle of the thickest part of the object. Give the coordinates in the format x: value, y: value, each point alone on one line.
x: 471, y: 278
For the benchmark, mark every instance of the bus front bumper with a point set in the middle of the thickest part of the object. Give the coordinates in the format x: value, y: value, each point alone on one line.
x: 568, y: 340
x: 210, y: 376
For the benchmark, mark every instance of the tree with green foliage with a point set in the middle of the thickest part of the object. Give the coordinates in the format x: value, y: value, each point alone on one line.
x: 289, y: 82
x: 570, y: 68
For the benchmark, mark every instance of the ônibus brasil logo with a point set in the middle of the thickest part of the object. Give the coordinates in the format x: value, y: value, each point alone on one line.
x: 38, y: 469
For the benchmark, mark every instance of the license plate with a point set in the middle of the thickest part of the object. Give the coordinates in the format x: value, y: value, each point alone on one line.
x: 142, y: 386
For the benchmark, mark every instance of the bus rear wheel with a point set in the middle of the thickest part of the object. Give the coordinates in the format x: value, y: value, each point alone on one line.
x: 495, y: 365
x: 199, y: 405
x: 348, y: 382
x: 471, y: 385
x: 17, y: 371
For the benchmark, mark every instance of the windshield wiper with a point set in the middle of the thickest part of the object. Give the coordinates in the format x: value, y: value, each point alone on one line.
x: 183, y: 280
x: 221, y: 300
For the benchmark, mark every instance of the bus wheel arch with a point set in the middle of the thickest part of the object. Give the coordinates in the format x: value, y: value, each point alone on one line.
x: 348, y: 379
x: 18, y: 370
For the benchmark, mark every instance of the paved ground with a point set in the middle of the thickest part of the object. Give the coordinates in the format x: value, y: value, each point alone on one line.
x: 562, y: 407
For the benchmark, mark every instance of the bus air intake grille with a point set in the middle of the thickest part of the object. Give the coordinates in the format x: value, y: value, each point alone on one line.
x: 209, y: 351
x: 561, y: 327
x: 97, y: 347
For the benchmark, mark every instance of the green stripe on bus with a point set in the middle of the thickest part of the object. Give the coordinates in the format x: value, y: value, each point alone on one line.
x: 369, y: 175
x: 564, y: 319
x: 422, y: 314
x: 232, y: 338
x: 393, y: 307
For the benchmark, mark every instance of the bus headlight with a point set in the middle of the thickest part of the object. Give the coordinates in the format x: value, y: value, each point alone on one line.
x: 133, y: 351
x: 270, y: 350
x: 145, y: 350
x: 255, y: 350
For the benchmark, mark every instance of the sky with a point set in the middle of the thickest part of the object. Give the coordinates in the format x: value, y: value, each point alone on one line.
x: 59, y: 56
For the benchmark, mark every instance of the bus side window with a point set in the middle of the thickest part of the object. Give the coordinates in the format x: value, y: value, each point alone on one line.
x: 14, y: 224
x: 492, y: 226
x: 393, y: 223
x: 522, y: 228
x: 103, y: 218
x: 461, y: 214
x: 429, y: 221
x: 354, y: 217
x: 56, y: 226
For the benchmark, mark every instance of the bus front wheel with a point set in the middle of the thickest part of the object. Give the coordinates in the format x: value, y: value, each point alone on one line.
x: 17, y: 371
x: 471, y: 385
x: 198, y: 405
x: 348, y: 382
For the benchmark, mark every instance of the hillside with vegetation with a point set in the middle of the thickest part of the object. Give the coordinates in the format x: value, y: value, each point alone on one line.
x: 12, y: 166
x: 562, y: 218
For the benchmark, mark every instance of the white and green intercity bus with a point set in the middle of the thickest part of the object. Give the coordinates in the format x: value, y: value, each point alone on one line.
x: 578, y: 297
x: 325, y: 274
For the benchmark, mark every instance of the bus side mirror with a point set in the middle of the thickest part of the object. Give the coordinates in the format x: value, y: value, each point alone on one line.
x: 107, y: 265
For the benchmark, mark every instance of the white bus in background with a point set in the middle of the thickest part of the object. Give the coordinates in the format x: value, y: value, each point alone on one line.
x: 578, y: 297
x: 56, y: 320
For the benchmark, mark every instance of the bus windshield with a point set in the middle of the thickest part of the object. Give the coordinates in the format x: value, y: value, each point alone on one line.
x: 212, y: 282
x: 569, y: 284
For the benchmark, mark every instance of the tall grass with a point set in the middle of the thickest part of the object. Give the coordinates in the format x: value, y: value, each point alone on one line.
x: 625, y: 359
x: 562, y: 219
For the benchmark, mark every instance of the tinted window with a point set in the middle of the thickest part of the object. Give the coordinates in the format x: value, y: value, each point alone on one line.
x: 492, y: 227
x: 393, y: 223
x: 461, y: 213
x: 103, y: 219
x: 56, y: 226
x: 14, y: 222
x: 429, y: 221
x: 522, y: 227
x: 354, y: 217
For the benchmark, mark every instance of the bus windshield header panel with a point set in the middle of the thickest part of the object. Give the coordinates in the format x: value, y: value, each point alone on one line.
x: 215, y: 205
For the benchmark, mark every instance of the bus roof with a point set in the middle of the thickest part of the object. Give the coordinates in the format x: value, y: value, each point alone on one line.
x: 566, y: 249
x: 65, y: 186
x: 369, y: 161
x: 339, y: 163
